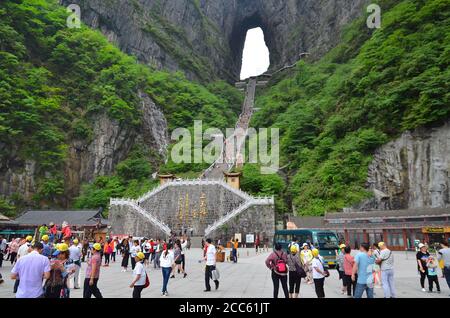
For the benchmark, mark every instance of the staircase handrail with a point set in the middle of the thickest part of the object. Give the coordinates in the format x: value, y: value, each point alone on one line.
x: 227, y: 217
x: 146, y: 214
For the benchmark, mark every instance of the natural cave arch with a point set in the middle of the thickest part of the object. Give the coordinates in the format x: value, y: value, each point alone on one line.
x: 256, y: 55
x: 238, y: 37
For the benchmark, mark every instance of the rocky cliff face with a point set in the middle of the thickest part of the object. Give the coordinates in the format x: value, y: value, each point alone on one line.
x: 111, y: 142
x: 412, y: 171
x: 206, y: 37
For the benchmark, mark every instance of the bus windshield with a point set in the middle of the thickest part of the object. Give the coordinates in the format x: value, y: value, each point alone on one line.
x: 327, y: 241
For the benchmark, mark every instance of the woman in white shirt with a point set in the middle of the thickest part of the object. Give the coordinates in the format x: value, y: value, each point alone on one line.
x: 166, y: 262
x: 184, y: 244
x: 133, y: 252
x: 318, y: 273
x: 139, y: 276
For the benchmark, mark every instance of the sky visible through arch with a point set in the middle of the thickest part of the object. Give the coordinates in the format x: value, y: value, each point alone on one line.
x: 255, y: 60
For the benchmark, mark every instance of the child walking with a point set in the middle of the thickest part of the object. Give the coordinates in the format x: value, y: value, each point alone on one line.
x: 432, y: 274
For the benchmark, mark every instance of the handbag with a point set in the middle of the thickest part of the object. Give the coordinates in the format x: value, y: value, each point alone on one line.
x: 147, y: 280
x: 215, y: 274
x: 300, y: 271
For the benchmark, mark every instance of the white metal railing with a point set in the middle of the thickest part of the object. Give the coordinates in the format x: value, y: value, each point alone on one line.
x: 226, y: 218
x: 152, y: 193
x: 132, y: 203
x: 242, y: 194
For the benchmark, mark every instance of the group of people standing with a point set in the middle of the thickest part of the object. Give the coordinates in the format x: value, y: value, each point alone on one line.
x: 427, y: 265
x: 361, y: 273
x: 58, y: 264
x: 371, y: 266
x: 294, y: 266
x: 46, y: 268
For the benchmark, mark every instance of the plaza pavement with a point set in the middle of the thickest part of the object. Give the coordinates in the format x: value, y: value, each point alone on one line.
x: 249, y: 278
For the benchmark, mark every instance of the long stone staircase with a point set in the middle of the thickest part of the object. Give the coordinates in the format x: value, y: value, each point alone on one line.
x: 233, y: 146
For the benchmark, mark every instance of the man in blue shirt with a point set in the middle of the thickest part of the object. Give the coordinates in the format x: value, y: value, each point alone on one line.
x: 47, y: 250
x: 363, y: 267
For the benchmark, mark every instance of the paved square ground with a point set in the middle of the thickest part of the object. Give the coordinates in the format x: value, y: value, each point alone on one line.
x: 249, y: 278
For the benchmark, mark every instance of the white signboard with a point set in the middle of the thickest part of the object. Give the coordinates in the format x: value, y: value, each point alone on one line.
x: 250, y: 238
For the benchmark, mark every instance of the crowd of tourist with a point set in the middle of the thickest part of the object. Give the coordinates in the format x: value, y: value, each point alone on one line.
x: 48, y: 265
x: 371, y: 267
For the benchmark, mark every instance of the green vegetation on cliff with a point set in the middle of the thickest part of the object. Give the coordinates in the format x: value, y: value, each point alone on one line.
x: 175, y: 42
x: 55, y: 80
x: 374, y: 85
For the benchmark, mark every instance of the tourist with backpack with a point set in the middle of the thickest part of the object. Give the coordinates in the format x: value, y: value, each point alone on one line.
x: 296, y: 272
x: 140, y: 277
x: 277, y: 263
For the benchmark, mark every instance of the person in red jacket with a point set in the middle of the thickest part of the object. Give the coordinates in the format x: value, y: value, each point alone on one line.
x: 66, y: 233
x: 152, y: 250
x: 53, y: 231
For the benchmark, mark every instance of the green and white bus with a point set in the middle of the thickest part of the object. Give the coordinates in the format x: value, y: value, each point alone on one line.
x: 327, y: 242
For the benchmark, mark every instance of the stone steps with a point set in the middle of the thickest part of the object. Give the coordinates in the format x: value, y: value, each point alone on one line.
x: 228, y: 158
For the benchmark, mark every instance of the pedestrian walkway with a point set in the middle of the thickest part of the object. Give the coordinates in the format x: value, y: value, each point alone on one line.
x: 249, y: 278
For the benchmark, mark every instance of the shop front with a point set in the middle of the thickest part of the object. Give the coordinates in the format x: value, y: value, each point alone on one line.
x: 435, y: 235
x: 400, y: 229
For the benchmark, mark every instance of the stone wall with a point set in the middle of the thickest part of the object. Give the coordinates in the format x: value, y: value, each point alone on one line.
x: 257, y: 220
x: 219, y: 200
x: 125, y: 221
x: 165, y: 205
